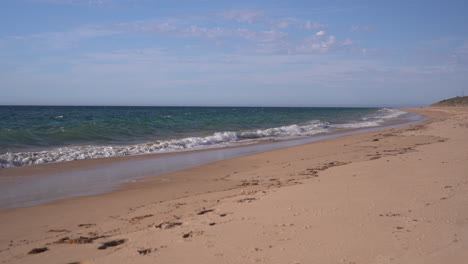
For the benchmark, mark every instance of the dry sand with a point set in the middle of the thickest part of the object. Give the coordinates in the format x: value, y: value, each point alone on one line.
x: 393, y: 196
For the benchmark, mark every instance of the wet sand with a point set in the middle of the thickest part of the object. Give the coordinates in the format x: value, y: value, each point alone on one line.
x: 391, y: 196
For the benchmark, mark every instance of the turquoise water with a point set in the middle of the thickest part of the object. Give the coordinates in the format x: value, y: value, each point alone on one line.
x: 43, y: 134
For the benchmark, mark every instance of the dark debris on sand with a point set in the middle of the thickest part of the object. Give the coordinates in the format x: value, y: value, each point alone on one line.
x: 37, y: 250
x: 79, y: 240
x: 112, y: 243
x: 86, y: 225
x: 168, y: 225
x: 205, y: 211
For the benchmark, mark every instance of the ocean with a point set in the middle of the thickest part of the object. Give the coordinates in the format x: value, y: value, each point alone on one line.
x: 44, y: 134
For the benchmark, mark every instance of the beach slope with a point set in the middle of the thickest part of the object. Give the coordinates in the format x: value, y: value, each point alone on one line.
x: 392, y: 196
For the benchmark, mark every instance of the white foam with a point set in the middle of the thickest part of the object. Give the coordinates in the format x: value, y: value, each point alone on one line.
x: 218, y: 139
x: 388, y: 113
x: 382, y: 116
x: 356, y: 125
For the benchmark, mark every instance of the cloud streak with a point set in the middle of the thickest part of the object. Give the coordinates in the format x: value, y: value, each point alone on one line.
x: 252, y: 32
x: 66, y: 38
x: 244, y: 15
x: 259, y: 17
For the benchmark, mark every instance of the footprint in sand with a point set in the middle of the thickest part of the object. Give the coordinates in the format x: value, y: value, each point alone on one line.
x: 79, y: 240
x: 138, y: 218
x: 58, y: 231
x: 248, y: 200
x: 145, y: 251
x: 192, y: 234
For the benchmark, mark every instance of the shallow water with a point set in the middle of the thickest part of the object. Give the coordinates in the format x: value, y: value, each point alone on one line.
x: 18, y: 191
x: 32, y: 135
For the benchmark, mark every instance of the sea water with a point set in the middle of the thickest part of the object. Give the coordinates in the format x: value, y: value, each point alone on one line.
x: 44, y: 134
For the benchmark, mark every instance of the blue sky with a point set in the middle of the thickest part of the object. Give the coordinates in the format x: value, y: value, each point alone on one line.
x: 243, y: 53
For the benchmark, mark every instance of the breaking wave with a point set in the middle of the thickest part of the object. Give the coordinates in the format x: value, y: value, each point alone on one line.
x: 218, y: 139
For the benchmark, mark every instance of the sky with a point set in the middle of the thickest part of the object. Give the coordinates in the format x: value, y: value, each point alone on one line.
x: 233, y: 53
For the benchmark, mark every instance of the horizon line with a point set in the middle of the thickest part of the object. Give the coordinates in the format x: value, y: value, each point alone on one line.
x: 245, y: 106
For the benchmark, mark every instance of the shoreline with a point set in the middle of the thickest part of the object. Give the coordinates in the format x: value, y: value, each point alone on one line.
x: 234, y: 138
x: 392, y: 195
x: 64, y: 180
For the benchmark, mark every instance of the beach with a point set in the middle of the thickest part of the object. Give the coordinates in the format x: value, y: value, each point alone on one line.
x: 391, y: 196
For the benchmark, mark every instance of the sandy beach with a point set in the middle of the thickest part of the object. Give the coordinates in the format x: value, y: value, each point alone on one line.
x: 391, y: 196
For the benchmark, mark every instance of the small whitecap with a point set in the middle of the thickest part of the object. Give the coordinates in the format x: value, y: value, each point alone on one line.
x: 217, y: 139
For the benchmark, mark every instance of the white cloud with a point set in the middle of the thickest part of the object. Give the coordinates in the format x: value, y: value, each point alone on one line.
x: 314, y: 26
x: 203, y: 32
x: 283, y: 24
x: 315, y: 44
x: 250, y: 16
x: 267, y: 36
x: 261, y: 36
x: 320, y: 33
x: 348, y: 42
x: 147, y: 27
x: 243, y: 15
x: 195, y: 31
